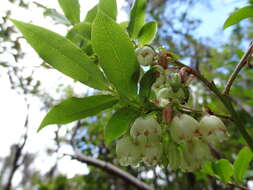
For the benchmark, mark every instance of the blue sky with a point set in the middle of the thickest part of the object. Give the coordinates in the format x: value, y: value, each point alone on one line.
x: 214, y: 17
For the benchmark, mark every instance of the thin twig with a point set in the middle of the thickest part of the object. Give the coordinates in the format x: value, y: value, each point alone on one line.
x: 214, y: 151
x: 190, y: 110
x: 111, y: 169
x: 244, y: 60
x: 18, y: 152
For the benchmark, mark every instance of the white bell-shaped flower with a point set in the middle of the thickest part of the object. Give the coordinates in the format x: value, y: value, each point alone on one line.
x: 174, y: 156
x: 196, y: 153
x: 153, y: 154
x: 183, y: 128
x: 145, y: 131
x: 128, y: 152
x: 174, y: 81
x: 212, y: 129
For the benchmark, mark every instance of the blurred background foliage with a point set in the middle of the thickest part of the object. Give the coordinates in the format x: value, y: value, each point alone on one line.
x: 177, y: 32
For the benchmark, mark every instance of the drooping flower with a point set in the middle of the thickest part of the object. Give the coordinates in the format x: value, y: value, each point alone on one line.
x: 212, y: 129
x: 183, y: 128
x: 145, y: 131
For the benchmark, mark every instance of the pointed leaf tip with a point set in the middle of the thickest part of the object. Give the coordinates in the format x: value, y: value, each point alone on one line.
x: 238, y: 15
x: 63, y: 55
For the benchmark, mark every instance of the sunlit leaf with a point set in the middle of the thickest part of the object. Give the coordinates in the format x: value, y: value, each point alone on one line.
x: 82, y: 30
x: 63, y: 55
x: 71, y: 9
x: 238, y: 16
x: 109, y: 7
x: 147, y: 33
x: 116, y: 54
x: 91, y: 15
x: 77, y: 108
x: 80, y: 34
x: 207, y: 169
x: 223, y: 169
x: 120, y: 123
x: 137, y: 18
x: 124, y: 25
x: 241, y: 164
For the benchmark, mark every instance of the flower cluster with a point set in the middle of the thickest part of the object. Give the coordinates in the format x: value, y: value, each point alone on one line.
x: 179, y: 139
x: 194, y: 138
x: 171, y: 83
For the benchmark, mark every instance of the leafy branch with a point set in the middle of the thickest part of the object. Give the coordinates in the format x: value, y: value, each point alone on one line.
x: 108, y: 60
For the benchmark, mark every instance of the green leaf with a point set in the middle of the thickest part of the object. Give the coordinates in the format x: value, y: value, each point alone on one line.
x: 91, y: 15
x: 109, y: 7
x: 116, y: 54
x: 71, y: 9
x: 77, y: 108
x: 146, y: 83
x: 223, y: 169
x: 147, y: 33
x: 120, y: 123
x: 81, y: 30
x: 124, y: 25
x: 238, y: 15
x: 207, y: 169
x: 63, y: 55
x: 80, y: 34
x: 137, y: 18
x: 241, y: 164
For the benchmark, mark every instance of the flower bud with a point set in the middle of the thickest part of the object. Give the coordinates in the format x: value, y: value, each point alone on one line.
x: 167, y: 94
x: 183, y: 128
x: 175, y: 81
x: 167, y: 114
x: 145, y: 131
x: 212, y: 129
x: 153, y: 154
x: 145, y: 55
